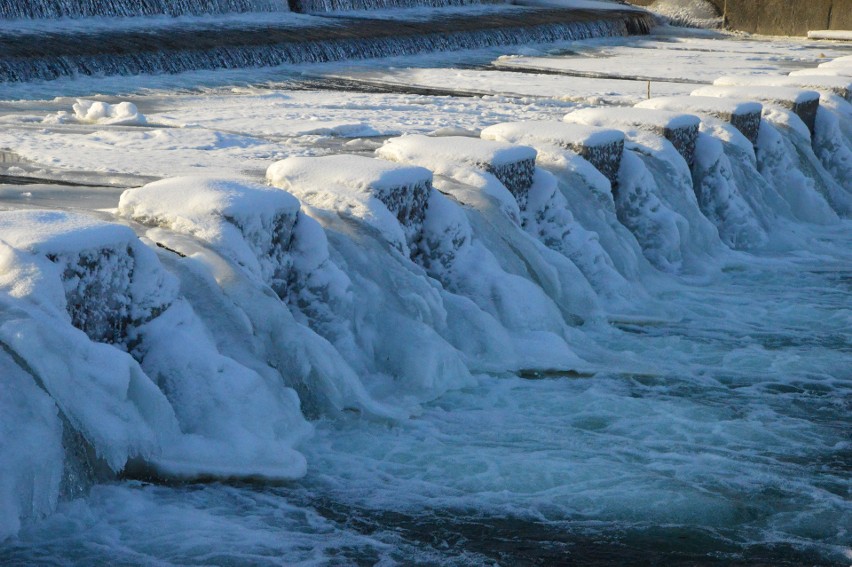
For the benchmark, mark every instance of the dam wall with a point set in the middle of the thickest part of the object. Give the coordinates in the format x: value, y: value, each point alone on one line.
x: 781, y: 17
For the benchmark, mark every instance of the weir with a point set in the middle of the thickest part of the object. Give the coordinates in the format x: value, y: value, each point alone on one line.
x: 325, y: 6
x: 45, y: 56
x: 51, y: 9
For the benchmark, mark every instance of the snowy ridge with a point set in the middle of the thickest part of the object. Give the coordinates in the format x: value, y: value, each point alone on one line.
x: 743, y: 115
x: 352, y: 184
x: 804, y: 79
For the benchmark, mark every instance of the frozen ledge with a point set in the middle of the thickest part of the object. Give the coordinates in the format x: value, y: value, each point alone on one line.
x: 743, y: 115
x: 602, y: 147
x: 403, y: 189
x: 803, y: 102
x: 513, y: 165
x: 803, y: 79
x: 678, y: 128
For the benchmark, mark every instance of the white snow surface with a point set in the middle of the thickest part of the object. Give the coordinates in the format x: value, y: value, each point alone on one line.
x: 702, y: 105
x: 344, y: 191
x: 840, y: 72
x: 844, y: 62
x: 463, y: 159
x: 435, y: 152
x: 355, y: 172
x: 551, y: 131
x: 54, y: 232
x: 99, y: 112
x: 632, y: 118
x: 806, y: 79
x: 842, y: 35
x: 759, y: 92
x: 252, y: 223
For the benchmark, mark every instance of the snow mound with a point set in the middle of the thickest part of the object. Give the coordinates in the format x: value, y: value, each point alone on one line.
x: 262, y: 230
x: 331, y: 181
x: 823, y: 72
x: 839, y: 62
x: 253, y: 224
x: 112, y: 283
x: 557, y: 133
x: 678, y: 128
x: 161, y: 391
x: 803, y: 79
x: 803, y: 102
x: 602, y: 147
x: 720, y: 107
x: 688, y: 13
x: 744, y: 115
x: 513, y: 165
x: 633, y: 118
x: 98, y: 112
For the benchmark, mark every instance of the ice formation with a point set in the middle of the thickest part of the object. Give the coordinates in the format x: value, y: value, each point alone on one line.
x: 664, y: 195
x: 98, y: 112
x: 98, y: 326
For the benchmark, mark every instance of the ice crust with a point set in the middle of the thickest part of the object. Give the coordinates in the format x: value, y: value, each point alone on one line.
x: 679, y: 129
x: 373, y: 187
x: 513, y: 165
x: 154, y: 391
x: 601, y: 146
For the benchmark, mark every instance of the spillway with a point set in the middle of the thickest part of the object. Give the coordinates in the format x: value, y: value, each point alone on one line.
x: 43, y: 9
x: 51, y: 53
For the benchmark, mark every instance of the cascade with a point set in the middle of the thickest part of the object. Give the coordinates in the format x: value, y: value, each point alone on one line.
x: 51, y: 9
x: 321, y: 6
x: 29, y: 56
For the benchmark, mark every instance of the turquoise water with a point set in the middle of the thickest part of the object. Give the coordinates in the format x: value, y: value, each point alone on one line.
x: 720, y: 438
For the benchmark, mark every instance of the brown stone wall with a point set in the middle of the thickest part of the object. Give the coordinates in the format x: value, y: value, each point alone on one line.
x: 783, y: 17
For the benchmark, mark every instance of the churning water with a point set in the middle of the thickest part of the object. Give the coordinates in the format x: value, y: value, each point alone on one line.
x: 720, y: 438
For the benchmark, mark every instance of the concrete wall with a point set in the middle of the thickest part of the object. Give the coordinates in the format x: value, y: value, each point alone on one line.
x: 783, y: 17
